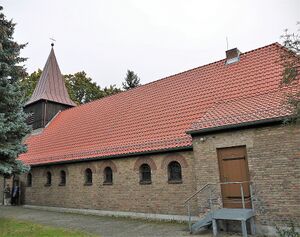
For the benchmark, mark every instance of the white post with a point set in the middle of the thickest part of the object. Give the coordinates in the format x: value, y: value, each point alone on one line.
x: 243, y: 198
x: 244, y: 228
x: 190, y: 218
x: 215, y: 227
x: 251, y: 196
x: 210, y: 199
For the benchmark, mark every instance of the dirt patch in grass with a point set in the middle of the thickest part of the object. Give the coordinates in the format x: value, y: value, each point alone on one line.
x: 16, y: 228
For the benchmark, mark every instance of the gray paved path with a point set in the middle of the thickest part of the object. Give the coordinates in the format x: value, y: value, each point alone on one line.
x: 103, y: 226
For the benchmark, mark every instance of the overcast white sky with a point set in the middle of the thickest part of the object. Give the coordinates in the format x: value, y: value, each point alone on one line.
x: 155, y: 38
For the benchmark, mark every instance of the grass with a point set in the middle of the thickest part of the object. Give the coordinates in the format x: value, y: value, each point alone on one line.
x: 16, y: 228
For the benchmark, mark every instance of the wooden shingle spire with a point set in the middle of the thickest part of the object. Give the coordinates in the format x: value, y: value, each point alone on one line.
x: 51, y: 85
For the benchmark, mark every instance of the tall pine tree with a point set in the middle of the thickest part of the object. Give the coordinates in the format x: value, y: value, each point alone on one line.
x: 131, y: 80
x: 12, y: 117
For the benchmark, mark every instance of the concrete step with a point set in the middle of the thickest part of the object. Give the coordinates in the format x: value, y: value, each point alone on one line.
x: 205, y: 221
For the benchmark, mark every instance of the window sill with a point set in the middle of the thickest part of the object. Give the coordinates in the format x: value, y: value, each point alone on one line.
x: 88, y: 184
x: 107, y: 183
x: 145, y: 182
x: 62, y: 185
x: 175, y: 181
x: 47, y: 185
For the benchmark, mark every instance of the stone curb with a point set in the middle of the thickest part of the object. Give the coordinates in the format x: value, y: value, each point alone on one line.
x: 134, y: 215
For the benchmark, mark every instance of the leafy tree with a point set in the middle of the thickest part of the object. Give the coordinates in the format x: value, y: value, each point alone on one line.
x: 12, y: 117
x: 81, y: 88
x: 131, y: 80
x: 29, y: 83
x: 290, y: 75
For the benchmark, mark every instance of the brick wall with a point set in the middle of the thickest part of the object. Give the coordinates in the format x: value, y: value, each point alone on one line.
x: 126, y: 193
x: 274, y: 164
x: 273, y: 157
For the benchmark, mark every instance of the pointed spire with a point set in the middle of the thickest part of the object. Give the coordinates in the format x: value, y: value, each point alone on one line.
x: 51, y: 85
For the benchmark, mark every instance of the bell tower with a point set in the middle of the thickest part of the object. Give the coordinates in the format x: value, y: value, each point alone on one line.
x: 50, y: 95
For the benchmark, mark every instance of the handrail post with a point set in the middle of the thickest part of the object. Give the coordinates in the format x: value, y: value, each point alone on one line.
x: 242, y: 194
x: 251, y: 196
x: 190, y: 218
x: 210, y: 198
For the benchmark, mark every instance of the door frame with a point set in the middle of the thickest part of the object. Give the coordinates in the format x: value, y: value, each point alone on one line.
x: 247, y: 173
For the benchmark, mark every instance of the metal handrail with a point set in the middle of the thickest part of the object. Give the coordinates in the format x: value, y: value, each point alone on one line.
x: 202, y: 188
x: 206, y: 185
x: 239, y: 182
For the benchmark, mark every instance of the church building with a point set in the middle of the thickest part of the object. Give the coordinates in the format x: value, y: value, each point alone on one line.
x: 189, y: 146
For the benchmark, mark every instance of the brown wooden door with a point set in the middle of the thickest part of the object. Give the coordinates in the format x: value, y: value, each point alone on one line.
x: 233, y: 167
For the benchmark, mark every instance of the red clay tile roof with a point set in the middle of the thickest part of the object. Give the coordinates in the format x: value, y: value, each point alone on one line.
x: 51, y: 85
x: 236, y: 111
x: 154, y: 116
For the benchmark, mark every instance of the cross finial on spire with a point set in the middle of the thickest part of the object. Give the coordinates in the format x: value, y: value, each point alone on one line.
x: 52, y: 39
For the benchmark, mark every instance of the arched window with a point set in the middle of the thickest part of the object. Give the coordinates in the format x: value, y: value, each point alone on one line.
x: 48, y: 178
x: 108, y: 176
x: 88, y: 176
x: 145, y: 174
x: 174, y: 172
x: 29, y: 180
x: 63, y: 178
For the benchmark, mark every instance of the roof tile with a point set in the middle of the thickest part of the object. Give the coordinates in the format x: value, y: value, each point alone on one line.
x: 157, y: 115
x: 244, y: 110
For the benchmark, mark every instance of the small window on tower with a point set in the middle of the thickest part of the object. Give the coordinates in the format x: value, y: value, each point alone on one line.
x: 30, y: 118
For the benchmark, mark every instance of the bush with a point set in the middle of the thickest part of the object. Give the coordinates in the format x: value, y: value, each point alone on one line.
x: 289, y: 231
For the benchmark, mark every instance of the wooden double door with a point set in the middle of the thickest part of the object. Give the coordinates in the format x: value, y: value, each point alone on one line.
x: 233, y: 167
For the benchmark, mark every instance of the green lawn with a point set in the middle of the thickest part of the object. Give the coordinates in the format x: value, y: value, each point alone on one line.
x: 15, y: 228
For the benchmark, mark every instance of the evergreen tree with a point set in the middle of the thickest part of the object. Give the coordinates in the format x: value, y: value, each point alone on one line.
x: 131, y: 80
x: 12, y: 117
